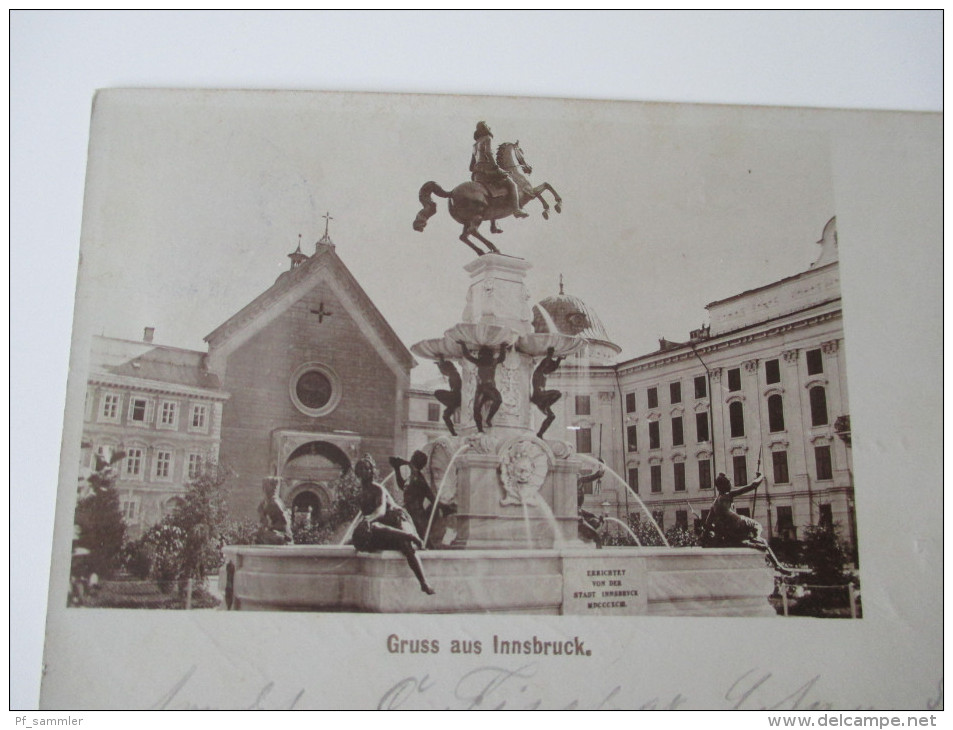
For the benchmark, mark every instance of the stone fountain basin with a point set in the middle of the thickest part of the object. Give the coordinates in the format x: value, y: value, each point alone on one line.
x: 538, y: 344
x: 568, y: 581
x: 481, y: 334
x: 478, y: 335
x: 434, y: 349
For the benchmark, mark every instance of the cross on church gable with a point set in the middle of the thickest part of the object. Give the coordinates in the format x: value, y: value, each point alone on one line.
x: 321, y: 312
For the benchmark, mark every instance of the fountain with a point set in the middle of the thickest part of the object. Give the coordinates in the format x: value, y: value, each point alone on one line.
x: 513, y: 546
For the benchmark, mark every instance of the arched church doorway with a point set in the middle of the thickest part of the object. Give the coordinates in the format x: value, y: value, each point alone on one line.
x: 310, y: 505
x: 308, y: 471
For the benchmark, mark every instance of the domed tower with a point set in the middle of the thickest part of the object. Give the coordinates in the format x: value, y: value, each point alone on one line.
x: 570, y: 315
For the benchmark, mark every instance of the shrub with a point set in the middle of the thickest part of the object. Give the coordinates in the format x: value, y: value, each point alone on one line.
x: 98, y: 517
x: 826, y: 555
x: 240, y: 532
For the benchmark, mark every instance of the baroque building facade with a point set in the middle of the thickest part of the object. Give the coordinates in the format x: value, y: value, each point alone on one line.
x: 161, y: 408
x: 761, y: 388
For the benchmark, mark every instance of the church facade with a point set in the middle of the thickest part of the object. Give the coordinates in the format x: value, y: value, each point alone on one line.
x: 316, y: 377
x: 297, y: 384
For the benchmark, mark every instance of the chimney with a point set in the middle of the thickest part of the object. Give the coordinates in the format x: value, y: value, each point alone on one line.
x: 148, y: 334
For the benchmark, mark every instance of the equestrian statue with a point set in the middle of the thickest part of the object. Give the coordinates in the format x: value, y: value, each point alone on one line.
x: 497, y: 189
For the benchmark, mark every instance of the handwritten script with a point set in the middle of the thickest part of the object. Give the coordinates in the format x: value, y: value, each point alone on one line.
x: 493, y: 687
x: 264, y: 698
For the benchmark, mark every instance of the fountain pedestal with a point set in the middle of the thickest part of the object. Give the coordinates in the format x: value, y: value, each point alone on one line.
x: 511, y: 489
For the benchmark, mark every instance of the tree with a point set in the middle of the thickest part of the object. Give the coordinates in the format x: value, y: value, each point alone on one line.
x: 99, y: 519
x: 202, y: 518
x: 826, y: 555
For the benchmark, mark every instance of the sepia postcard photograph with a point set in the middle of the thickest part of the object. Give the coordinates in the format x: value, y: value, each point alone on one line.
x: 360, y: 353
x: 407, y: 401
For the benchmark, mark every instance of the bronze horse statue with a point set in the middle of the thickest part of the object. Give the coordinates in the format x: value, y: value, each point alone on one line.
x: 471, y: 203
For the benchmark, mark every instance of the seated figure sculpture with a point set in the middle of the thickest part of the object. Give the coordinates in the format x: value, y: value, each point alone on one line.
x: 274, y: 518
x: 726, y: 528
x: 419, y: 499
x: 384, y: 525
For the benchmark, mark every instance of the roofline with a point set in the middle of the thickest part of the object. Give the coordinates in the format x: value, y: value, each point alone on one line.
x: 328, y: 250
x: 132, y: 381
x: 700, y: 344
x: 769, y: 286
x: 150, y: 344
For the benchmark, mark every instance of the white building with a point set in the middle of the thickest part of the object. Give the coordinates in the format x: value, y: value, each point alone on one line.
x: 162, y: 408
x: 771, y: 368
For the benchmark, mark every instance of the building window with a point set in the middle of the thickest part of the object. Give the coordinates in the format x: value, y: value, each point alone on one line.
x: 704, y: 474
x: 433, y: 411
x: 133, y: 465
x: 315, y: 389
x: 772, y: 371
x: 701, y: 386
x: 654, y: 440
x: 734, y: 379
x: 818, y: 406
x: 109, y: 408
x: 679, y: 472
x: 199, y: 418
x: 736, y: 416
x: 675, y: 392
x: 659, y: 517
x: 740, y: 465
x: 775, y: 413
x: 780, y: 461
x: 105, y: 453
x: 785, y: 523
x: 653, y: 397
x: 163, y: 465
x: 583, y: 405
x: 630, y: 402
x: 130, y: 509
x: 681, y: 519
x: 584, y: 440
x: 634, y: 479
x: 678, y: 437
x: 701, y: 427
x: 195, y: 465
x: 822, y: 460
x: 825, y: 516
x: 744, y: 511
x: 656, y: 478
x: 137, y: 410
x: 168, y: 414
x: 815, y: 365
x: 587, y: 488
x: 632, y: 437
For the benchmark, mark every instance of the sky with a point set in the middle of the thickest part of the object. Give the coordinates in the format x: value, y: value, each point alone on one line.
x: 194, y: 200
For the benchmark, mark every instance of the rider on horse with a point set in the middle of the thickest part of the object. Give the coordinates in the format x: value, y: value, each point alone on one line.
x: 485, y: 170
